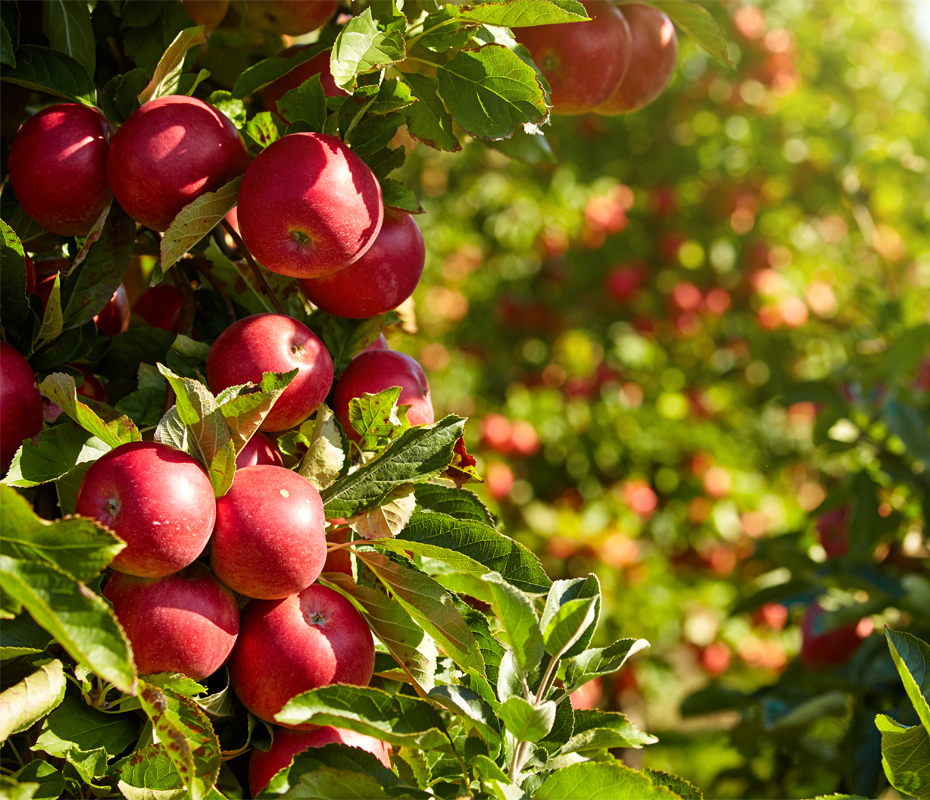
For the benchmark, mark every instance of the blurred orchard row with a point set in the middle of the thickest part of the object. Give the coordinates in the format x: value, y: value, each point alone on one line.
x: 692, y: 342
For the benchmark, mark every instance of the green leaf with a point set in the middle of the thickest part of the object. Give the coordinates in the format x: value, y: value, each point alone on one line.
x: 698, y: 23
x: 52, y: 320
x: 50, y: 781
x: 601, y: 730
x: 268, y: 71
x: 361, y: 47
x: 471, y: 547
x: 491, y: 92
x: 193, y: 222
x: 374, y: 133
x: 207, y: 436
x: 21, y: 636
x: 563, y: 592
x: 569, y: 624
x: 150, y: 774
x: 345, y: 338
x: 430, y: 605
x: 90, y: 284
x: 12, y: 277
x: 388, y: 519
x: 428, y: 120
x: 528, y: 723
x: 470, y: 706
x: 69, y: 31
x: 907, y: 424
x: 375, y: 418
x: 59, y: 388
x: 80, y: 621
x: 905, y: 756
x: 168, y: 70
x: 56, y: 453
x: 76, y: 726
x: 76, y: 545
x: 393, y: 95
x: 400, y: 196
x: 417, y: 455
x: 600, y: 780
x: 905, y: 354
x: 7, y: 46
x: 324, y: 458
x: 912, y: 659
x: 600, y: 661
x: 119, y: 97
x: 518, y: 620
x: 460, y: 504
x: 245, y: 411
x: 33, y: 697
x: 530, y: 148
x: 305, y: 104
x: 262, y: 129
x: 684, y: 789
x: 43, y: 69
x: 397, y: 719
x: 185, y: 732
x: 523, y: 13
x: 412, y: 648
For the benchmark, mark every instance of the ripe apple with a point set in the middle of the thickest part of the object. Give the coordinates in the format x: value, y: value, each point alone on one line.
x: 381, y: 279
x: 273, y: 343
x: 90, y: 388
x: 624, y: 281
x: 652, y: 61
x: 156, y: 499
x: 318, y: 65
x: 286, y: 744
x: 338, y: 560
x: 167, y: 153
x: 269, y: 540
x: 826, y: 649
x: 259, y: 450
x: 186, y: 622
x: 288, y: 17
x: 309, y: 206
x: 588, y: 696
x: 208, y: 13
x: 20, y: 403
x: 160, y: 307
x: 58, y: 168
x: 295, y: 644
x: 583, y: 61
x: 833, y: 531
x: 375, y: 371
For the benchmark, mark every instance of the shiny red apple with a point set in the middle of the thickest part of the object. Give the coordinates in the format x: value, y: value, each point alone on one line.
x: 20, y: 403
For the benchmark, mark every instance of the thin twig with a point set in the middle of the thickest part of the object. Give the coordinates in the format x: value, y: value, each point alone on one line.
x: 265, y: 288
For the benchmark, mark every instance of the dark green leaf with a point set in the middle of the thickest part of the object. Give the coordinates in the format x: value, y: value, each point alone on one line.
x: 518, y: 620
x: 12, y: 277
x: 75, y: 725
x: 905, y: 756
x: 45, y: 70
x: 459, y: 504
x: 373, y: 133
x: 57, y: 451
x: 119, y: 97
x: 600, y: 661
x: 21, y: 636
x: 530, y: 148
x: 305, y: 104
x: 698, y: 23
x: 68, y: 28
x: 51, y: 782
x: 268, y: 71
x: 906, y: 422
x: 684, y: 789
x: 376, y: 418
x: 428, y: 120
x: 398, y: 195
x: 601, y: 730
x: 385, y: 161
x: 469, y: 705
x: 912, y: 659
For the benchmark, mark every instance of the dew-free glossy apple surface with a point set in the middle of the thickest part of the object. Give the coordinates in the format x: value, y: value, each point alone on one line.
x: 269, y: 540
x: 304, y: 641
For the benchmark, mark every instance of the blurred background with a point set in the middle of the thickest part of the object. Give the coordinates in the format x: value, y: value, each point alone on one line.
x: 693, y: 345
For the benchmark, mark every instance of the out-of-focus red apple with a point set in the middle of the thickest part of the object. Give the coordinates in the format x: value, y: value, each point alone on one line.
x: 58, y: 167
x: 588, y: 696
x: 273, y: 343
x: 186, y: 622
x: 379, y: 281
x: 583, y: 61
x: 286, y: 744
x: 306, y: 640
x: 287, y: 17
x: 309, y: 206
x: 833, y: 531
x: 318, y: 65
x: 168, y: 153
x: 715, y: 658
x: 624, y: 281
x: 20, y: 403
x: 156, y: 499
x: 375, y: 371
x: 160, y: 307
x: 208, y: 13
x: 499, y: 479
x: 495, y: 432
x: 821, y: 649
x: 524, y: 441
x: 260, y: 449
x: 653, y: 56
x: 269, y: 539
x: 771, y: 615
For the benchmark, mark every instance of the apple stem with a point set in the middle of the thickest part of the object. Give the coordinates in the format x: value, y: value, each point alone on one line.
x: 333, y: 547
x: 356, y: 8
x: 266, y: 289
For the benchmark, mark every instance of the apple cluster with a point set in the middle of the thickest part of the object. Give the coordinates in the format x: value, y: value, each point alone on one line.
x: 205, y: 581
x: 618, y: 62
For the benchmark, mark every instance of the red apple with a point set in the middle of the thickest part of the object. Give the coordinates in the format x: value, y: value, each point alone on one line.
x: 273, y: 343
x: 90, y: 388
x: 833, y: 531
x: 286, y: 744
x: 381, y: 279
x: 259, y: 450
x: 623, y: 282
x: 318, y: 65
x: 169, y: 152
x: 58, y: 168
x: 309, y: 206
x: 375, y: 371
x: 20, y: 404
x: 186, y: 622
x: 652, y: 61
x: 378, y: 344
x: 269, y: 539
x: 338, y: 560
x: 588, y: 696
x: 583, y: 61
x: 298, y: 643
x: 288, y: 17
x: 156, y: 499
x: 821, y: 649
x: 160, y: 307
x: 208, y: 13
